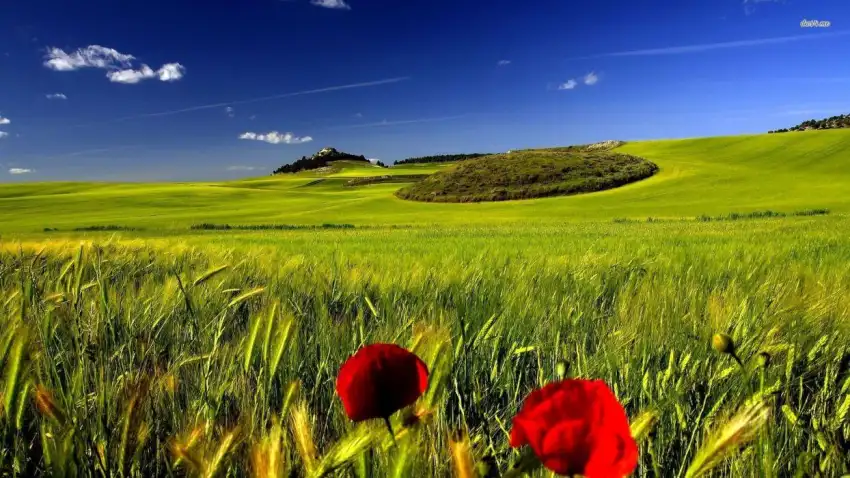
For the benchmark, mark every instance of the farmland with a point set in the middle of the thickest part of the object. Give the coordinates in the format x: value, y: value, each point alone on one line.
x: 713, y: 176
x: 165, y: 350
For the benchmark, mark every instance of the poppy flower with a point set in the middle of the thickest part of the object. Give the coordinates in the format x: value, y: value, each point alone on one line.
x: 379, y: 380
x: 577, y: 427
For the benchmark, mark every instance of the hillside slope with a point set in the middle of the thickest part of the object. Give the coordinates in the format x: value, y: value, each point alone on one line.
x: 714, y: 176
x: 530, y: 174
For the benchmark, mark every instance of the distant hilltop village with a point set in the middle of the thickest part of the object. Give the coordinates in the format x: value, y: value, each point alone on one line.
x: 318, y: 160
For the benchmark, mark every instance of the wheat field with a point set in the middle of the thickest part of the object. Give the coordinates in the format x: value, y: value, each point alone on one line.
x: 215, y: 354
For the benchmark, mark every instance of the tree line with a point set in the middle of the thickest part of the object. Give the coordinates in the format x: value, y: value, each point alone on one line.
x: 833, y: 122
x: 441, y: 158
x: 317, y: 161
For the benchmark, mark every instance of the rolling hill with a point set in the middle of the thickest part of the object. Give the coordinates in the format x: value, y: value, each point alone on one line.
x: 711, y: 176
x: 530, y: 174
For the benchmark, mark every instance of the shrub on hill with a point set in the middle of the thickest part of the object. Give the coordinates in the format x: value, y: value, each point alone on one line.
x: 530, y: 174
x: 318, y: 160
x: 441, y: 158
x: 833, y: 122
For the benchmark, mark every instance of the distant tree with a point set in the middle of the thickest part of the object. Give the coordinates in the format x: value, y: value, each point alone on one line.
x: 833, y: 122
x: 380, y: 163
x: 318, y: 161
x: 443, y: 158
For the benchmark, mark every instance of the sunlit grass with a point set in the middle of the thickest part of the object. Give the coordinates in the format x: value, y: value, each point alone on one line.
x: 216, y: 353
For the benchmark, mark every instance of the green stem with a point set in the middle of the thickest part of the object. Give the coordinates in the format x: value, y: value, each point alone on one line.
x: 390, y: 428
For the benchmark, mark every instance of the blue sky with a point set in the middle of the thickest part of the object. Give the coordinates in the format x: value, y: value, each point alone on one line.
x: 170, y: 90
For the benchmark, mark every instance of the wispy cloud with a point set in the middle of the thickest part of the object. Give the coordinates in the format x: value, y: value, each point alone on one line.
x: 120, y: 65
x: 3, y: 134
x: 5, y: 120
x: 568, y: 85
x: 679, y: 50
x: 504, y: 62
x: 252, y: 100
x: 335, y: 4
x: 240, y: 167
x: 230, y: 112
x: 130, y: 76
x: 56, y: 96
x: 591, y: 79
x: 20, y: 171
x: 92, y: 56
x: 398, y: 122
x: 276, y: 138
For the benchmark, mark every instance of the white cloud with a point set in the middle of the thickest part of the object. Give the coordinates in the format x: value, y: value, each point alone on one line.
x: 241, y: 168
x: 569, y: 85
x: 3, y: 134
x: 171, y: 72
x: 120, y: 64
x: 56, y: 96
x: 168, y: 72
x: 374, y: 160
x: 20, y: 171
x: 276, y: 138
x: 504, y: 62
x: 5, y: 120
x: 131, y: 76
x: 93, y: 56
x: 591, y: 79
x: 337, y: 4
x: 230, y: 111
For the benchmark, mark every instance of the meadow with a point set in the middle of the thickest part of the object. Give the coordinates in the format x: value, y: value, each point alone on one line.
x: 713, y: 176
x: 167, y: 352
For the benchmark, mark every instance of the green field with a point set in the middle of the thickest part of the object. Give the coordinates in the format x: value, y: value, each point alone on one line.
x: 165, y: 351
x: 712, y: 176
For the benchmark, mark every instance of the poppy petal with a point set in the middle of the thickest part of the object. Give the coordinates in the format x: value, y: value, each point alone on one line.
x: 565, y: 449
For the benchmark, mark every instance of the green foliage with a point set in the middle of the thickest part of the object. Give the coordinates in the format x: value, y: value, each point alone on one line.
x: 398, y: 178
x: 441, y: 158
x: 184, y: 352
x: 833, y: 122
x: 736, y: 216
x: 265, y: 227
x: 530, y: 174
x: 319, y: 160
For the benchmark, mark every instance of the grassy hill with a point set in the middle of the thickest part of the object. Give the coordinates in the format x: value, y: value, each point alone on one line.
x: 156, y: 345
x: 713, y: 176
x: 320, y: 160
x: 530, y: 174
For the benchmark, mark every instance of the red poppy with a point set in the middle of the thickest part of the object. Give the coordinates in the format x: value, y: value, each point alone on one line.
x: 577, y: 427
x: 379, y: 380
